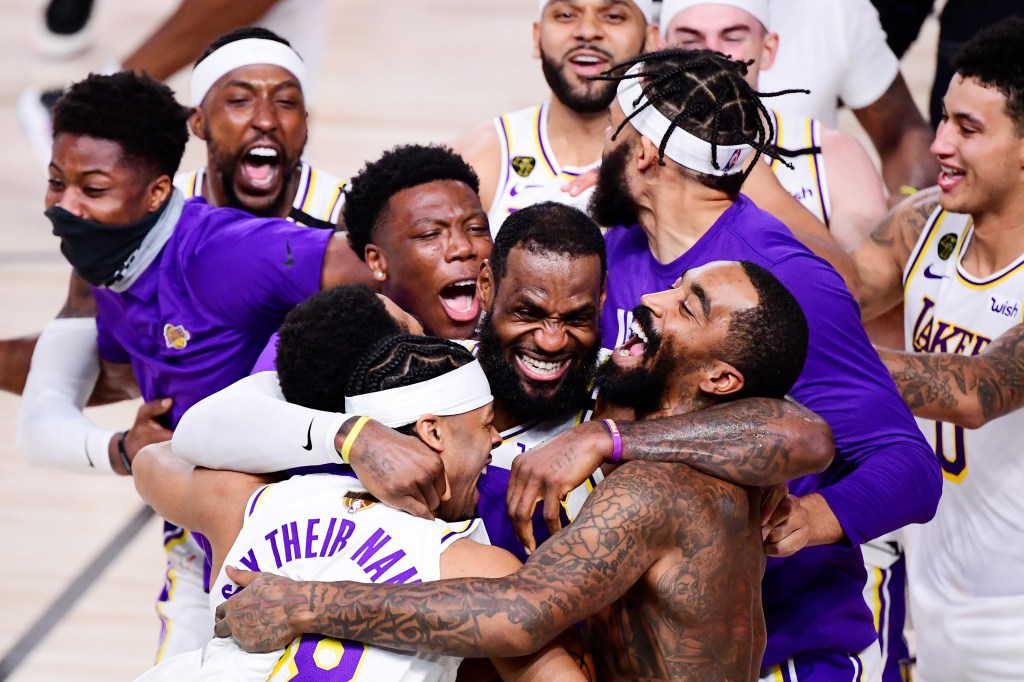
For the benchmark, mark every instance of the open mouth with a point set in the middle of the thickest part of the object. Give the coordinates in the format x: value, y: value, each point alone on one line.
x: 460, y: 302
x: 587, y: 63
x: 949, y: 177
x: 536, y: 369
x: 261, y: 167
x: 634, y: 350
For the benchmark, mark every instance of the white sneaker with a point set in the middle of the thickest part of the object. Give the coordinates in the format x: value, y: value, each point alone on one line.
x: 65, y: 29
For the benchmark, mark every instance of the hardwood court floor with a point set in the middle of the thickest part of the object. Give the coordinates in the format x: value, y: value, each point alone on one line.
x: 393, y: 72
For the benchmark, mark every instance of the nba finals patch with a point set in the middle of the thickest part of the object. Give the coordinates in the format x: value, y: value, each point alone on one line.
x: 176, y: 336
x: 523, y: 165
x: 357, y: 502
x: 946, y: 245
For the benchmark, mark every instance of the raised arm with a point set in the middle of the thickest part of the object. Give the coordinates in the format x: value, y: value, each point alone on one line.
x: 755, y: 442
x: 963, y: 390
x: 618, y: 535
x: 880, y: 259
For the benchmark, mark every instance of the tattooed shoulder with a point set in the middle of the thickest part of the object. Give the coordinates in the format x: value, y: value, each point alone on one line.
x: 903, y: 224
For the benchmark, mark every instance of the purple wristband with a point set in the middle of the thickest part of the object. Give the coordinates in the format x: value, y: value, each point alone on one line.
x: 613, y: 429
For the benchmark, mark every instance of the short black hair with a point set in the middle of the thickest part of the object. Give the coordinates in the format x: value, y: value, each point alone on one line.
x: 705, y: 94
x: 405, y: 360
x: 241, y: 33
x: 548, y: 228
x: 133, y: 110
x: 323, y: 338
x: 767, y: 343
x: 995, y: 57
x: 405, y: 166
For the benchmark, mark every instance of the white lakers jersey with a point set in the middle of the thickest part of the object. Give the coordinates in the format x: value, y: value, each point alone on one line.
x: 799, y: 140
x: 318, y: 199
x: 530, y: 173
x: 325, y: 527
x: 966, y: 566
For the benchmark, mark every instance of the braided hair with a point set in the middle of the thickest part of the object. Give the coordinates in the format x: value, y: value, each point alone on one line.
x: 705, y: 94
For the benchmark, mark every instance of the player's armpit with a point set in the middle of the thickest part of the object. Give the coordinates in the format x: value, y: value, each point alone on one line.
x: 880, y: 259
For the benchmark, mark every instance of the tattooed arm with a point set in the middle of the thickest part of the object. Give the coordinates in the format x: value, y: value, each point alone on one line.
x: 620, y: 532
x: 880, y: 259
x: 755, y: 442
x: 968, y: 391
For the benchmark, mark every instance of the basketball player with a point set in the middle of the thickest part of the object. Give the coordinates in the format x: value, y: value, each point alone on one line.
x: 157, y: 263
x: 538, y: 346
x: 427, y: 387
x: 954, y: 255
x: 665, y: 562
x: 690, y: 212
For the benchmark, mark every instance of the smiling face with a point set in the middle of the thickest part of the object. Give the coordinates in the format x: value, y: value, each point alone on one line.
x: 726, y: 29
x: 468, y: 440
x: 429, y: 243
x: 978, y: 148
x: 253, y: 120
x: 539, y: 342
x: 678, y: 339
x: 577, y: 39
x: 91, y: 178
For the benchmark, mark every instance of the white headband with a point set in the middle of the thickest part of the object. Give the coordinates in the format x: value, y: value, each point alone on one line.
x: 244, y: 53
x: 646, y: 8
x: 457, y: 392
x: 670, y: 8
x: 685, y: 149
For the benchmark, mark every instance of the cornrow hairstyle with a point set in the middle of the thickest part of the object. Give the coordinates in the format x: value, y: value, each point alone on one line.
x: 405, y: 166
x: 405, y: 360
x: 323, y: 338
x: 548, y: 228
x: 133, y: 110
x: 995, y: 57
x: 241, y: 33
x: 705, y: 94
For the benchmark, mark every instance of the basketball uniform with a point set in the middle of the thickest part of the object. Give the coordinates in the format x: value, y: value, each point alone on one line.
x: 799, y: 141
x: 183, y: 605
x: 530, y: 173
x: 325, y: 527
x: 966, y: 566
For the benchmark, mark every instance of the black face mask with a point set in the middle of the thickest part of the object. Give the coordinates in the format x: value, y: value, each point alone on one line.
x: 96, y: 251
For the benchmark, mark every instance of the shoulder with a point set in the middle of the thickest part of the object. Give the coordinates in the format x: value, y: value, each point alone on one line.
x: 469, y: 559
x: 481, y: 142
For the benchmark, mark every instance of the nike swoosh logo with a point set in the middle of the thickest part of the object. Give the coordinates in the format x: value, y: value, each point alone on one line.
x: 931, y: 275
x: 309, y: 438
x: 290, y: 260
x: 516, y: 189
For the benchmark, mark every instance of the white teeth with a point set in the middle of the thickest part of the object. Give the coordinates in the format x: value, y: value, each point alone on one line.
x: 951, y: 171
x: 638, y: 330
x: 264, y: 151
x: 464, y: 283
x: 585, y: 59
x: 540, y: 366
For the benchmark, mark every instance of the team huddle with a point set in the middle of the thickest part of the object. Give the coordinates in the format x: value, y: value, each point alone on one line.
x: 641, y: 383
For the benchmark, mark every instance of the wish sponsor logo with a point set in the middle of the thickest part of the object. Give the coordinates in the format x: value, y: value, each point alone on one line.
x: 1005, y: 308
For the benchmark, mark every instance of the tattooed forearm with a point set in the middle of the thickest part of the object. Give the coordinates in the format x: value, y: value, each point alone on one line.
x: 968, y: 391
x: 756, y: 441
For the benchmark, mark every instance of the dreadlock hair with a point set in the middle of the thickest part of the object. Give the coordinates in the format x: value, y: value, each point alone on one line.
x: 767, y: 343
x: 133, y: 110
x: 547, y: 228
x: 705, y: 94
x: 405, y: 360
x: 241, y: 33
x: 322, y: 339
x: 995, y: 57
x: 405, y: 166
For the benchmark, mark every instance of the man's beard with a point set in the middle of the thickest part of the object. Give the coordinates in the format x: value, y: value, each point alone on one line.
x: 506, y: 384
x: 611, y: 203
x: 225, y: 166
x: 638, y: 387
x: 592, y: 100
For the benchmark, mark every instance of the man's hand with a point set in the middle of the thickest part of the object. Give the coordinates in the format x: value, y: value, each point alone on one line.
x: 581, y: 183
x: 259, y: 616
x: 550, y: 472
x: 146, y: 430
x: 398, y: 470
x: 787, y: 528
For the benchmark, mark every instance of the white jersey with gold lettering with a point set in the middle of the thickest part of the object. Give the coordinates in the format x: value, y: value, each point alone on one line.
x: 966, y: 566
x: 326, y: 527
x: 318, y: 199
x: 799, y: 140
x: 530, y: 173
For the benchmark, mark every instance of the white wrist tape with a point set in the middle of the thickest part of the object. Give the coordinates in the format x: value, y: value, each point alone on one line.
x: 52, y: 430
